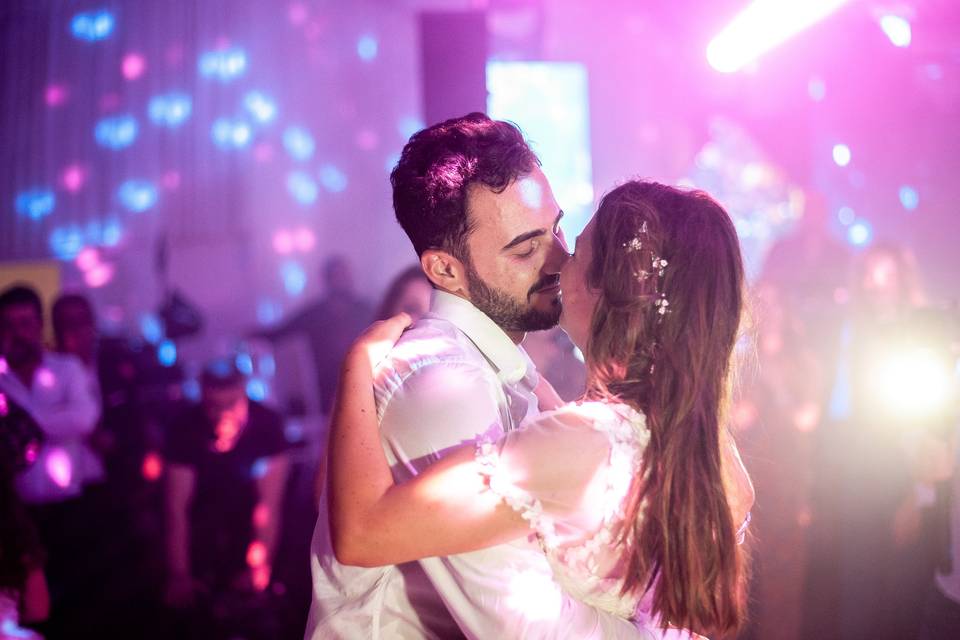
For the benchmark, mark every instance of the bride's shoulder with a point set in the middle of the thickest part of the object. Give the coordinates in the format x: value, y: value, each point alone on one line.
x: 600, y: 415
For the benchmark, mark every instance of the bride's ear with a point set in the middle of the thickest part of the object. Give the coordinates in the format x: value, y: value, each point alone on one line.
x: 445, y: 271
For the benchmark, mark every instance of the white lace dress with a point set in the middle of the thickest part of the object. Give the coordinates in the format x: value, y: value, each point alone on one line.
x: 572, y: 474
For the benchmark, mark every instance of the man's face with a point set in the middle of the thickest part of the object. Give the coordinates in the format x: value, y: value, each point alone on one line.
x: 77, y: 332
x: 516, y: 252
x: 21, y: 334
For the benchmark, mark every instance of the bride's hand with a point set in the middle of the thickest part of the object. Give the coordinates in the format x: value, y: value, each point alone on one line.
x: 375, y: 343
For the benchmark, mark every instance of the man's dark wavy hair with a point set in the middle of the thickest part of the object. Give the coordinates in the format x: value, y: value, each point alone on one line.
x: 438, y: 165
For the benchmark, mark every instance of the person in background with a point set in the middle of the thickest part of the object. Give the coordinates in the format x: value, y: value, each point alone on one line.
x: 409, y: 292
x: 23, y: 586
x: 226, y: 477
x: 330, y: 324
x: 56, y: 391
x: 75, y: 328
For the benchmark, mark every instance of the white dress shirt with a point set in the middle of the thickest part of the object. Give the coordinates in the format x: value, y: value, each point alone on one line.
x: 63, y: 402
x: 453, y: 377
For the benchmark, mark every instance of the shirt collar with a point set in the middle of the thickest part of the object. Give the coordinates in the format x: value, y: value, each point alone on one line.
x: 511, y: 362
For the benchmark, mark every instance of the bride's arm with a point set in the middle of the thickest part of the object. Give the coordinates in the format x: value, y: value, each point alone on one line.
x: 445, y: 510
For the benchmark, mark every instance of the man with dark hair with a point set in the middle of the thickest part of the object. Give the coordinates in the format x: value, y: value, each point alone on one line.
x: 481, y: 215
x: 56, y: 391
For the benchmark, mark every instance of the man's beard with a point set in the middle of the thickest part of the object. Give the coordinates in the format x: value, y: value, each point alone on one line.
x: 506, y: 311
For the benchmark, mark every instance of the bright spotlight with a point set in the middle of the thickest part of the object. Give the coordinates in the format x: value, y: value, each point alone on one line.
x: 913, y: 382
x: 897, y: 29
x: 761, y: 27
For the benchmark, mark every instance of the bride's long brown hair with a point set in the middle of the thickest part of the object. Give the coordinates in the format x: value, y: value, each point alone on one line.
x: 675, y: 367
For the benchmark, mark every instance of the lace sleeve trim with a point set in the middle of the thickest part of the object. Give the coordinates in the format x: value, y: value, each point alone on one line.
x: 530, y: 508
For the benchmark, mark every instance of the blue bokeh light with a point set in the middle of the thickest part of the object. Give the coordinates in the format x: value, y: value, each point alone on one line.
x: 66, y: 243
x: 909, y: 198
x: 333, y: 179
x: 294, y: 278
x: 170, y: 109
x: 116, y: 132
x: 35, y: 203
x: 137, y: 195
x: 191, y: 389
x: 151, y: 328
x: 367, y: 47
x: 267, y: 365
x: 244, y: 363
x: 261, y: 107
x: 224, y: 65
x: 167, y: 353
x: 110, y: 233
x: 91, y: 26
x: 231, y: 134
x: 409, y: 125
x: 302, y: 187
x: 846, y: 215
x: 268, y: 312
x: 299, y: 143
x: 860, y: 233
x: 256, y: 389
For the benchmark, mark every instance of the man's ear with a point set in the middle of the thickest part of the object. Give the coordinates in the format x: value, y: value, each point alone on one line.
x: 445, y: 271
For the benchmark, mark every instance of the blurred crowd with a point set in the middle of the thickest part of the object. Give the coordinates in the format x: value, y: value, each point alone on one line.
x: 135, y: 502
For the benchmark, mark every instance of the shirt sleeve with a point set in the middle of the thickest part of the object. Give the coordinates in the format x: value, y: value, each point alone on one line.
x: 79, y: 409
x: 555, y: 471
x: 505, y: 591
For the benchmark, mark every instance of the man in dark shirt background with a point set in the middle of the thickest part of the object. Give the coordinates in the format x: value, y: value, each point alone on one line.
x: 226, y: 476
x: 330, y: 325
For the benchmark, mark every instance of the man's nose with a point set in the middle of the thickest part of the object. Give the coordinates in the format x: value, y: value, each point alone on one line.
x: 558, y: 254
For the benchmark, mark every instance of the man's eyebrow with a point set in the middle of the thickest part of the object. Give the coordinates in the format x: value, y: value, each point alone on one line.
x: 523, y: 237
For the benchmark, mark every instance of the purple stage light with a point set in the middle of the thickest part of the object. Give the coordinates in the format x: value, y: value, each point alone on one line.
x: 55, y: 95
x: 897, y: 30
x: 36, y: 204
x: 762, y: 26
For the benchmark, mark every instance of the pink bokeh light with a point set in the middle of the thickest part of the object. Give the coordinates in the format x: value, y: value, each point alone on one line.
x: 256, y: 554
x: 152, y: 467
x: 263, y: 152
x: 304, y: 239
x: 99, y: 275
x: 73, y: 178
x: 109, y: 102
x: 283, y: 242
x: 55, y: 95
x: 133, y: 66
x: 45, y: 378
x: 170, y: 180
x: 297, y: 13
x: 367, y: 139
x: 59, y: 467
x: 88, y: 259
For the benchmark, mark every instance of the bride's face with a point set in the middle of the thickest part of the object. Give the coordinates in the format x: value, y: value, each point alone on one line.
x: 579, y: 300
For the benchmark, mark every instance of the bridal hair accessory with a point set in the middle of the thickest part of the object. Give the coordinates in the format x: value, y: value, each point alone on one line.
x: 658, y: 266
